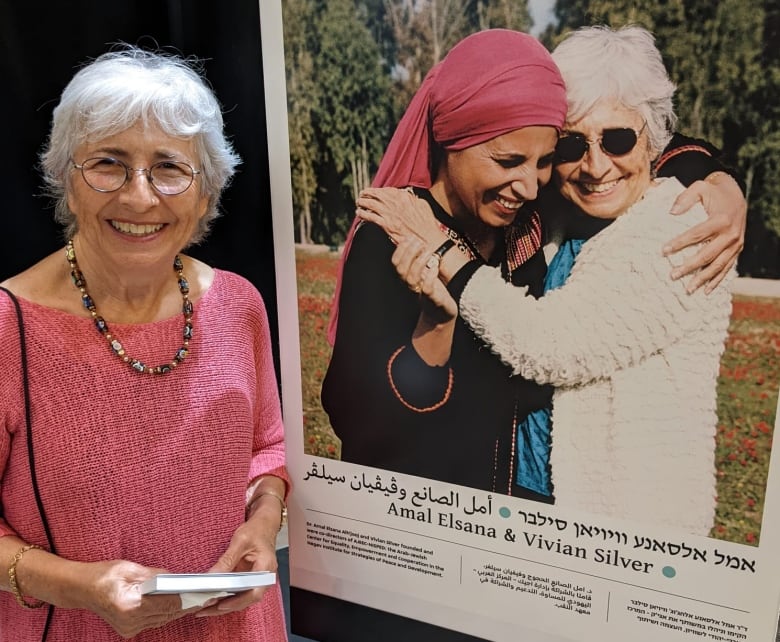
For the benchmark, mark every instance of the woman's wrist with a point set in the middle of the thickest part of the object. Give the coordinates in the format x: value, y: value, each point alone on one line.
x: 270, y: 509
x: 268, y: 493
x: 42, y: 577
x: 451, y: 264
x: 14, y: 583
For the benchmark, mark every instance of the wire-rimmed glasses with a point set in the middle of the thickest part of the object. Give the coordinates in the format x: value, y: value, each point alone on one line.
x: 106, y: 174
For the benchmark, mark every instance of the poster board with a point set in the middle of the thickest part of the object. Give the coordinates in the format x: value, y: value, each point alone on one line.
x: 428, y: 560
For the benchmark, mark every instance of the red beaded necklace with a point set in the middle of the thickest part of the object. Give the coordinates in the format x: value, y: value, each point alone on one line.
x: 102, y: 326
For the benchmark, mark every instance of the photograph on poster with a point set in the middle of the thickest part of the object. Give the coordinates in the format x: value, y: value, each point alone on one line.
x: 681, y: 499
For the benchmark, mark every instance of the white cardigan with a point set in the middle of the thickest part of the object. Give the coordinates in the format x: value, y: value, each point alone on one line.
x: 634, y: 359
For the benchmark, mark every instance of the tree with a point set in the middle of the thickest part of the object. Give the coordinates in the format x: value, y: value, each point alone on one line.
x: 425, y: 30
x: 352, y: 121
x: 302, y: 104
x: 338, y: 112
x: 503, y: 14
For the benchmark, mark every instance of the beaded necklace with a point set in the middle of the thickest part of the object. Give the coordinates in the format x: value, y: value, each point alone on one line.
x: 102, y: 326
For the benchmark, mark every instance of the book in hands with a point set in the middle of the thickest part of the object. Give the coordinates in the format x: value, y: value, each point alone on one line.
x: 207, y: 582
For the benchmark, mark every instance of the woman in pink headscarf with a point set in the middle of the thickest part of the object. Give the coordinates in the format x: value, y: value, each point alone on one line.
x: 407, y: 390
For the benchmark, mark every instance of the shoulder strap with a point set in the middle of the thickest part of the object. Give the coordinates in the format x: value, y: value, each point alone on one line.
x: 30, y: 453
x: 28, y: 415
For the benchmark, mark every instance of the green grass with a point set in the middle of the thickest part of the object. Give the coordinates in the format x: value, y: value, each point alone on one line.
x: 747, y: 394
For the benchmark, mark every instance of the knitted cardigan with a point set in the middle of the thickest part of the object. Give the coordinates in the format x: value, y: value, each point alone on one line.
x: 147, y: 468
x: 634, y: 359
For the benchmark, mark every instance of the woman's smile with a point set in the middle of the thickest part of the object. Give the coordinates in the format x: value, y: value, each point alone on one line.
x: 598, y: 188
x: 510, y: 205
x: 134, y: 229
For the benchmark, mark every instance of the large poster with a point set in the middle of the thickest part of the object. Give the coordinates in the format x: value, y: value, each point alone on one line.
x: 418, y: 557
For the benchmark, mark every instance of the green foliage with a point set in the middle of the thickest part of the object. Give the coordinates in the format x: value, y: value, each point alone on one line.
x: 353, y: 66
x: 348, y: 70
x: 747, y: 398
x: 503, y: 14
x: 338, y: 110
x: 302, y: 104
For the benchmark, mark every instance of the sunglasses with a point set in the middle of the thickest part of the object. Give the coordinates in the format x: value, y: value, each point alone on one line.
x: 615, y: 142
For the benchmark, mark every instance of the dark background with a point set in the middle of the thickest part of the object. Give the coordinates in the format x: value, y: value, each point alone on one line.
x: 42, y: 44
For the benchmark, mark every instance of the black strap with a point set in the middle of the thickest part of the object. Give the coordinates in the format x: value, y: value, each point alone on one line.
x: 30, y: 453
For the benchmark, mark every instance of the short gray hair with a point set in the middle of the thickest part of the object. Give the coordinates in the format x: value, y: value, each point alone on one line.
x: 628, y: 68
x: 130, y: 85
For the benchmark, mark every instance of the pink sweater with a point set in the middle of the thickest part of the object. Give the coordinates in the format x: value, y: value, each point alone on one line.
x: 151, y: 469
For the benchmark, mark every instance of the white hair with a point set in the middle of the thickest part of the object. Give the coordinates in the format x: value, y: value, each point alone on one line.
x: 122, y: 88
x: 623, y: 65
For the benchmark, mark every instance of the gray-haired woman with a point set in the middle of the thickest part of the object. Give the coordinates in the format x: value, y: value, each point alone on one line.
x: 155, y: 439
x: 632, y: 354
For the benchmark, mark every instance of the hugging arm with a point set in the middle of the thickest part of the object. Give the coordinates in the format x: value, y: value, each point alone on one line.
x: 720, y: 238
x: 617, y: 308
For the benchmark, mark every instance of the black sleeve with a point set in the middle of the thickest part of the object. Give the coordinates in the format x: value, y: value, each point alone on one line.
x: 458, y: 282
x: 692, y: 159
x: 374, y: 370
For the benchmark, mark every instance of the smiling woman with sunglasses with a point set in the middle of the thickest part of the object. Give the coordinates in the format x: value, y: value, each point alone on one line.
x: 632, y: 354
x: 155, y: 441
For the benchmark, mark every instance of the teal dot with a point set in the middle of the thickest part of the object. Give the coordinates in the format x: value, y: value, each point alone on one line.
x: 504, y: 512
x: 668, y: 571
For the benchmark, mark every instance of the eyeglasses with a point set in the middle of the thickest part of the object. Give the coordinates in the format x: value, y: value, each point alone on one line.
x: 615, y: 142
x: 106, y: 174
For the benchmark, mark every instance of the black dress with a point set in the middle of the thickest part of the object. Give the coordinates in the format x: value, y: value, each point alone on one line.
x: 390, y: 409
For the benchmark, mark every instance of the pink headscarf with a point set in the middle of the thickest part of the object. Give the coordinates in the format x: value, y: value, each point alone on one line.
x: 491, y: 83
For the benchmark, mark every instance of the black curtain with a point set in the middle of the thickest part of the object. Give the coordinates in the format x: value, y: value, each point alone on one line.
x: 41, y: 46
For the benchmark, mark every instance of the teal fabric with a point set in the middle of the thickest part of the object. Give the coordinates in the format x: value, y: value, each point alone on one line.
x: 533, y: 432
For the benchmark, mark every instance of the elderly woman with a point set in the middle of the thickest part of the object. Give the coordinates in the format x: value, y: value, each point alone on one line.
x: 632, y: 355
x: 411, y: 389
x: 153, y: 439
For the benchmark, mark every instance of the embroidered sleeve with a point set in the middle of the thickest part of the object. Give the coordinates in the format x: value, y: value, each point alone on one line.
x: 691, y: 159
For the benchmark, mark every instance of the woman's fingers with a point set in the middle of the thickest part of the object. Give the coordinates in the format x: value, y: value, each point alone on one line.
x: 399, y: 213
x: 722, y: 232
x: 407, y: 259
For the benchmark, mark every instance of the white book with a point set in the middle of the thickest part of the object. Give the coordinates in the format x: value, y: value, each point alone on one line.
x: 207, y: 582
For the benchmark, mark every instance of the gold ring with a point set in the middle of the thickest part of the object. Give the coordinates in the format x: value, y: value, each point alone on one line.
x: 417, y: 289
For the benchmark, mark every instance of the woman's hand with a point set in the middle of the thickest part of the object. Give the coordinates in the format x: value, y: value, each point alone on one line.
x: 411, y: 260
x: 252, y: 548
x: 434, y: 331
x: 114, y: 593
x: 723, y: 233
x: 110, y: 589
x: 400, y: 214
